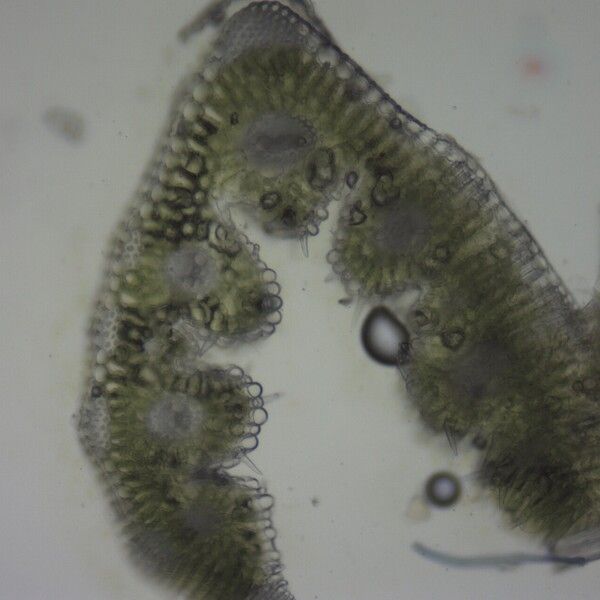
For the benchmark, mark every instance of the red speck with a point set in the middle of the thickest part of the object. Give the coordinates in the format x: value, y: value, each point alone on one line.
x: 532, y: 66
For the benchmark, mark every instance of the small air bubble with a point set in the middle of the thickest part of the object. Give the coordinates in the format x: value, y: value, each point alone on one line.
x: 442, y: 489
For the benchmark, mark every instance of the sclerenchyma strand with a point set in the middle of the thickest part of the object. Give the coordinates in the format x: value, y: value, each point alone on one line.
x: 278, y: 121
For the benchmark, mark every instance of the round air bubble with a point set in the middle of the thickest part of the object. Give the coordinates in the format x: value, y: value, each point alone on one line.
x: 384, y: 337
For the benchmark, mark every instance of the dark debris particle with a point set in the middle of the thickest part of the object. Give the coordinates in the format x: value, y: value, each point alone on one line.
x: 65, y: 122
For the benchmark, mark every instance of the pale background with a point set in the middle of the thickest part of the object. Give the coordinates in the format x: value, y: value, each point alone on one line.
x: 516, y: 82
